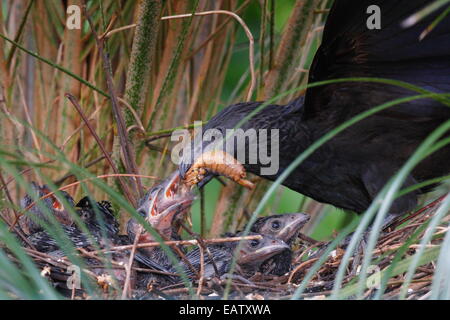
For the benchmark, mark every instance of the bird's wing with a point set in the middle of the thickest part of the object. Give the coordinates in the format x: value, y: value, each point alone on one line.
x: 45, y: 242
x: 149, y: 263
x: 221, y: 256
x: 350, y: 49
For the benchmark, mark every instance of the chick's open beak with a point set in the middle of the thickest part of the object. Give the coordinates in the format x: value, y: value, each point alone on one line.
x: 164, y: 221
x: 163, y: 195
x: 166, y: 202
x: 172, y: 186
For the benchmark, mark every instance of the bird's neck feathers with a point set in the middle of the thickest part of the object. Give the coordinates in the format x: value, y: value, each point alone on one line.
x: 282, y: 136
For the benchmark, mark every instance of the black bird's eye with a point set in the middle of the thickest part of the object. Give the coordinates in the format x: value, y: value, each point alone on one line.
x: 254, y: 243
x: 276, y: 225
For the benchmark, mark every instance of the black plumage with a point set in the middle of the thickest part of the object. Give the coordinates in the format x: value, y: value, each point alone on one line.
x: 349, y: 170
x: 249, y: 258
x: 45, y: 242
x: 153, y: 257
x: 98, y: 218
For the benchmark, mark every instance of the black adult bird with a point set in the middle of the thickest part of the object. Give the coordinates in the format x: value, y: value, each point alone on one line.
x: 349, y: 170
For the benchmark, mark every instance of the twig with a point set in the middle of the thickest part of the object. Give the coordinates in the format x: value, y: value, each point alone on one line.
x: 110, y: 33
x: 89, y: 164
x: 66, y: 141
x: 397, y: 246
x: 129, y: 162
x: 192, y: 242
x: 202, y: 271
x: 161, y: 136
x: 308, y: 249
x: 183, y: 257
x: 108, y: 28
x: 8, y: 195
x: 428, y: 206
x: 126, y: 286
x: 299, y: 267
x: 16, y: 229
x: 202, y: 246
x: 180, y: 290
x: 125, y: 188
x: 247, y: 32
x: 217, y: 31
x: 60, y: 262
x: 256, y: 286
x: 30, y: 122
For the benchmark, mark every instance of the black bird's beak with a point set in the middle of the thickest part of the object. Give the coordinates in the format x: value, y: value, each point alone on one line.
x: 193, y: 152
x: 184, y: 167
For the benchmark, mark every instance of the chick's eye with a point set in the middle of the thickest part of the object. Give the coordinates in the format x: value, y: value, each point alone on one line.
x: 276, y: 225
x: 254, y: 243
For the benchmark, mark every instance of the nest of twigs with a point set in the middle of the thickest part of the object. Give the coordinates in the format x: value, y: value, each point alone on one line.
x: 58, y: 271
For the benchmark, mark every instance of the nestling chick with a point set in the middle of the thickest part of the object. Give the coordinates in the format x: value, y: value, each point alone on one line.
x: 29, y: 222
x: 285, y: 227
x: 161, y: 207
x: 99, y: 220
x: 249, y: 258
